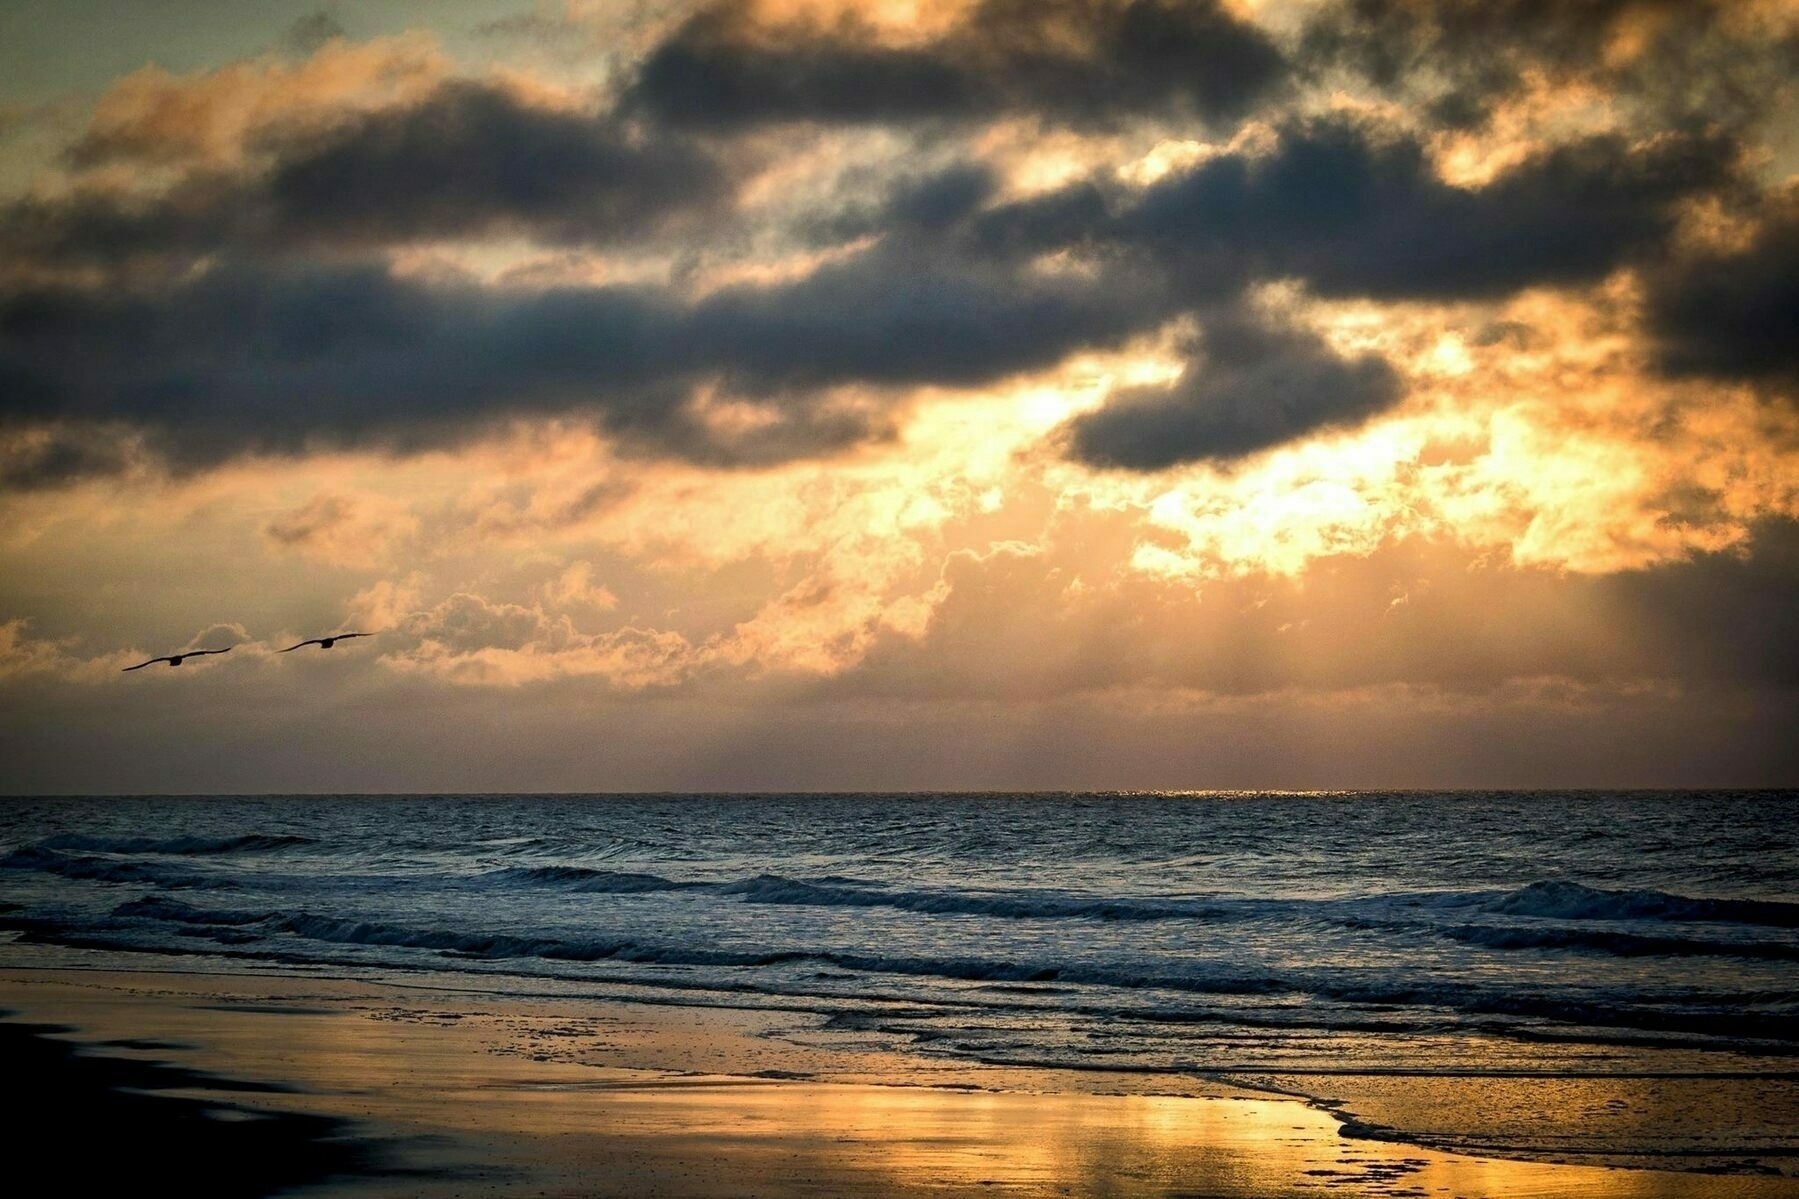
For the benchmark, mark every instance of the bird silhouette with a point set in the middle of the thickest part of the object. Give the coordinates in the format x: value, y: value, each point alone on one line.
x: 325, y: 642
x: 175, y: 659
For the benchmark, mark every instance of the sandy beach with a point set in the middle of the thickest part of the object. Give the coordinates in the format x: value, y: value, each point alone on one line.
x: 346, y: 1086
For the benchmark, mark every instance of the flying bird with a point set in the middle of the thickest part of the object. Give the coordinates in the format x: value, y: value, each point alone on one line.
x: 325, y: 642
x: 175, y: 659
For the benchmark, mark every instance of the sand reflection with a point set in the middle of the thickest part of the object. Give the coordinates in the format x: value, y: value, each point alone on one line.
x: 502, y: 1095
x: 908, y: 1140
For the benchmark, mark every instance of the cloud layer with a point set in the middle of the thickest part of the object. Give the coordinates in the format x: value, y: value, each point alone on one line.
x: 989, y: 372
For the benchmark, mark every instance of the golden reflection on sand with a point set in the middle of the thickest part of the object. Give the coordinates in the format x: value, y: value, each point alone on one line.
x: 565, y: 1095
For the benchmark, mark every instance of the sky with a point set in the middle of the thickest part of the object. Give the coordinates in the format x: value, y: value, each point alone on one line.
x: 907, y: 395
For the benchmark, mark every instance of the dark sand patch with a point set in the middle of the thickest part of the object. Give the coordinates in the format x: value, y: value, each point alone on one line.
x: 146, y: 1127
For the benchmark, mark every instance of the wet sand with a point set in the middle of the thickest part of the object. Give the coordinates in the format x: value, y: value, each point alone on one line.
x: 344, y: 1086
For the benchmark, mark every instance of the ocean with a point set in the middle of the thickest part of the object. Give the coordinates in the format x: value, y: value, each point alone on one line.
x: 1269, y: 940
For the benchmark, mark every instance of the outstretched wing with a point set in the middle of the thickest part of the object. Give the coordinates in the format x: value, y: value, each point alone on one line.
x: 201, y: 653
x: 347, y: 636
x: 290, y: 649
x: 141, y: 665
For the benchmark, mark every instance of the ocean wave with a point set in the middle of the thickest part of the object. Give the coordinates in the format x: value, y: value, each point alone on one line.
x: 1726, y: 1017
x: 1622, y: 944
x: 352, y: 931
x: 1026, y: 905
x: 1374, y: 1002
x: 340, y: 930
x: 852, y: 893
x: 1566, y: 900
x: 587, y: 878
x: 183, y: 846
x: 106, y: 870
x: 160, y: 907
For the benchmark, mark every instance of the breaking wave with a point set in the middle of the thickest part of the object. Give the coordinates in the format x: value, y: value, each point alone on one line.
x: 586, y: 878
x: 851, y: 893
x: 1565, y: 900
x: 185, y: 846
x: 1622, y: 944
x: 1020, y: 905
x: 275, y: 934
x: 106, y: 870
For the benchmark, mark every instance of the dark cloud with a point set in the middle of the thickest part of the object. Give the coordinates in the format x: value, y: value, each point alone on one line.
x: 250, y: 309
x: 56, y: 457
x: 1731, y: 616
x: 937, y: 201
x: 1082, y: 61
x: 1349, y: 210
x: 1353, y: 209
x: 310, y: 32
x: 1682, y: 62
x: 928, y: 210
x: 1734, y: 314
x: 1514, y: 334
x: 535, y: 25
x: 468, y: 160
x: 257, y: 358
x: 473, y: 160
x: 1255, y: 386
x: 1348, y: 207
x: 252, y: 354
x: 894, y: 317
x: 94, y: 228
x: 1355, y: 212
x: 306, y: 525
x: 1489, y: 42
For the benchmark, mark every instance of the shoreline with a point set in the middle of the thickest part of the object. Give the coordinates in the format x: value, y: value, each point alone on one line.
x: 482, y: 1092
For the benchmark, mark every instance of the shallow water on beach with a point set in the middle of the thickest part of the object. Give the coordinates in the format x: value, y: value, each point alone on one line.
x: 1637, y: 954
